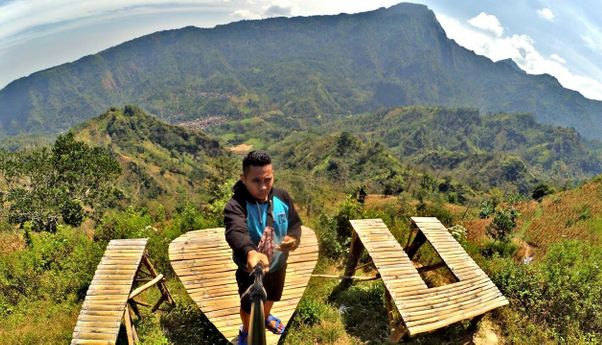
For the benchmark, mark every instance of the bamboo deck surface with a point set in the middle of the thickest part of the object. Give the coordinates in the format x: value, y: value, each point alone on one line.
x: 202, y: 260
x: 425, y: 309
x: 100, y: 317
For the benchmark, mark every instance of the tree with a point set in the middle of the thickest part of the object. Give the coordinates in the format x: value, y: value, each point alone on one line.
x: 540, y: 191
x: 46, y: 185
x: 504, y: 221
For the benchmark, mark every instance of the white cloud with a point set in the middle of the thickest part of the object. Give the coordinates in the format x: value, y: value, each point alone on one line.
x: 593, y: 39
x: 18, y: 17
x: 546, y: 14
x: 558, y: 58
x: 521, y: 49
x: 246, y: 14
x: 487, y: 22
x: 276, y: 10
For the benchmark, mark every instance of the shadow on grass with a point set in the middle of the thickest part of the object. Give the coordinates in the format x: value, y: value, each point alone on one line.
x: 186, y: 324
x: 363, y: 310
x: 364, y: 314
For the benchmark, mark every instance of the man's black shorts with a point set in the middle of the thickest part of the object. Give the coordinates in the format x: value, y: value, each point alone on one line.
x: 273, y: 282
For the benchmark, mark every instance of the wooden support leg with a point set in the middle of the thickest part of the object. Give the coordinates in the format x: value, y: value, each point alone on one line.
x: 127, y: 318
x: 412, y: 249
x: 134, y: 308
x: 135, y: 335
x: 409, y: 238
x: 353, y: 259
x: 396, y: 328
x: 397, y: 334
x: 158, y: 304
x: 161, y: 284
x: 390, y: 310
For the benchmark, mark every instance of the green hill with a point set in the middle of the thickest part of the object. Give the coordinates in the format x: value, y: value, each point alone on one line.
x: 156, y: 158
x: 505, y: 150
x: 303, y: 66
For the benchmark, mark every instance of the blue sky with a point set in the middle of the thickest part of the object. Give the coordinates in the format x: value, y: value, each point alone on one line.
x: 562, y: 38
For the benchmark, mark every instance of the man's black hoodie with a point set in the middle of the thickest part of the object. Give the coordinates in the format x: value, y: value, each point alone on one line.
x: 235, y: 220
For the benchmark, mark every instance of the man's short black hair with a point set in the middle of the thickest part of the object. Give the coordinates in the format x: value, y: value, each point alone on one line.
x: 255, y: 158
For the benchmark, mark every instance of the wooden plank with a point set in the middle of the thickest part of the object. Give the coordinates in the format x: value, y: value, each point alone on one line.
x: 103, y: 308
x: 213, y: 287
x: 424, y: 308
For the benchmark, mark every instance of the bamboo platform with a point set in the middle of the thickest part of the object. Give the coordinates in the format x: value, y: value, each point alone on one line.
x: 202, y: 260
x: 420, y: 308
x: 110, y: 298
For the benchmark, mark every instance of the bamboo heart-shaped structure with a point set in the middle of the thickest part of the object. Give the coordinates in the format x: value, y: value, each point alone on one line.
x: 202, y: 260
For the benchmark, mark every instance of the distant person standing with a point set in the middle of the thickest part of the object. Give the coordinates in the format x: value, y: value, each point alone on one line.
x: 262, y: 226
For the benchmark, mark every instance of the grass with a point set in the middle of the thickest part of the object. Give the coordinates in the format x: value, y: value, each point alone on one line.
x: 566, y: 215
x: 39, y: 322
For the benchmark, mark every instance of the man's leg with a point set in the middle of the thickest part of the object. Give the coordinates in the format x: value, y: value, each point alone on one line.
x: 245, y: 317
x: 272, y: 325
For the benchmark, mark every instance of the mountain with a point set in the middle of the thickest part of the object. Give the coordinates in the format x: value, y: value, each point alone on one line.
x: 494, y: 149
x: 156, y: 158
x: 509, y: 151
x: 304, y: 66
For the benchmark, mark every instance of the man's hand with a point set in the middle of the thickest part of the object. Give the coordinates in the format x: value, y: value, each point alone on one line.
x: 288, y: 244
x: 254, y: 257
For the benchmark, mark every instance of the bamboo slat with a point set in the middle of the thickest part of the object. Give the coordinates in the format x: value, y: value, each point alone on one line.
x: 202, y: 259
x: 425, y: 309
x: 103, y: 308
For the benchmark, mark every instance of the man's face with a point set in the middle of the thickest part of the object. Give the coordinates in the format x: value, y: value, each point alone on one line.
x: 259, y: 181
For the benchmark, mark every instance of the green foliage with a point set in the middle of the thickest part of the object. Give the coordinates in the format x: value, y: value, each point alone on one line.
x: 560, y: 294
x: 458, y: 142
x: 342, y: 160
x: 504, y: 222
x: 334, y: 232
x: 460, y: 234
x: 47, y: 185
x: 55, y: 266
x: 495, y: 248
x: 435, y: 209
x: 362, y: 306
x: 129, y: 223
x: 310, y: 311
x: 72, y: 213
x: 487, y: 209
x: 220, y: 195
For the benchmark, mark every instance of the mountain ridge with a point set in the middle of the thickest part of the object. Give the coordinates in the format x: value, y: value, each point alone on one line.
x: 303, y: 66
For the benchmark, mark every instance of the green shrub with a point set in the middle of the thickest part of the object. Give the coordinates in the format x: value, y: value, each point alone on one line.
x: 573, y: 273
x: 503, y: 249
x: 334, y: 232
x: 330, y: 245
x: 487, y: 209
x: 460, y: 234
x: 310, y: 311
x: 560, y: 295
x: 504, y: 221
x: 130, y: 223
x: 540, y: 191
x: 435, y: 210
x: 54, y: 267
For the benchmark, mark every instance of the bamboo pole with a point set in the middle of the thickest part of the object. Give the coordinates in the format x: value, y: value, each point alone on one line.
x: 358, y: 278
x: 128, y: 325
x: 354, y: 256
x: 141, y: 289
x: 161, y: 284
